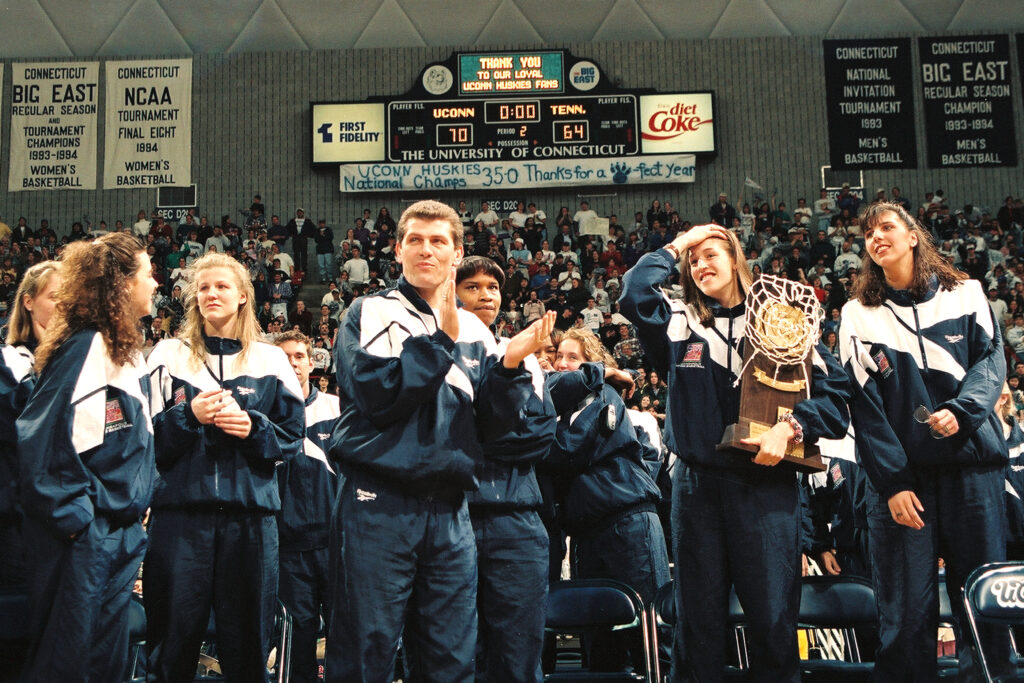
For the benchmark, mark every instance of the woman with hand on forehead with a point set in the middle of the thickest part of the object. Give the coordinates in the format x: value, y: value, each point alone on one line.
x: 926, y: 364
x: 735, y: 522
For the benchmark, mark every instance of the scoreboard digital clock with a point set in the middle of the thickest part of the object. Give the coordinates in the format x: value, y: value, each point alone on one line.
x: 595, y: 125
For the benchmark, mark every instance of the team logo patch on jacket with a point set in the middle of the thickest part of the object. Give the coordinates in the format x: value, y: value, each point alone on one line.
x: 115, y: 419
x: 837, y: 475
x: 693, y: 356
x: 883, y: 364
x: 179, y: 395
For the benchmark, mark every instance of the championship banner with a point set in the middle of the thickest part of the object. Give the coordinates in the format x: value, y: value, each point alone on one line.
x: 482, y: 175
x: 968, y: 103
x: 53, y: 126
x: 869, y: 100
x: 148, y: 124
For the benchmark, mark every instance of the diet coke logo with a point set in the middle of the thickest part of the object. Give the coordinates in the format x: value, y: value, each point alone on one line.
x: 1008, y: 592
x: 666, y: 124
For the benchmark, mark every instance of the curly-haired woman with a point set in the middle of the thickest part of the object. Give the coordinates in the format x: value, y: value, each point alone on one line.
x: 85, y: 454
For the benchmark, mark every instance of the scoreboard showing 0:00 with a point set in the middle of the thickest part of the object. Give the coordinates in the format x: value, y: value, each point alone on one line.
x: 540, y: 127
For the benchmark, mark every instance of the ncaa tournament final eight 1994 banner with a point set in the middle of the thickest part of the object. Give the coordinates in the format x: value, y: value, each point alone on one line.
x: 148, y: 124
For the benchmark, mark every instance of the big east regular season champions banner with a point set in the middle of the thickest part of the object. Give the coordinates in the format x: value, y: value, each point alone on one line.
x: 53, y: 126
x: 149, y: 124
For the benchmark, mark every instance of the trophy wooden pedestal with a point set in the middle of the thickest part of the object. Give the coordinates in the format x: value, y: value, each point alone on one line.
x: 765, y: 396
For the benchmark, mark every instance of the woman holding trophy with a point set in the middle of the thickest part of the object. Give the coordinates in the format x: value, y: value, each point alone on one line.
x: 735, y: 521
x: 926, y: 365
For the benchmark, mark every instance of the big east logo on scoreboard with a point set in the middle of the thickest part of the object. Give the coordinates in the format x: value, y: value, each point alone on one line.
x: 677, y: 123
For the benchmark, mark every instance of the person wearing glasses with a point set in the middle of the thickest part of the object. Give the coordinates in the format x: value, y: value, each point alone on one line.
x: 924, y: 357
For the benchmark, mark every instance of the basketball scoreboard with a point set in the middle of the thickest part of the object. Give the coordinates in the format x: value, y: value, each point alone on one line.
x: 580, y: 126
x: 520, y: 117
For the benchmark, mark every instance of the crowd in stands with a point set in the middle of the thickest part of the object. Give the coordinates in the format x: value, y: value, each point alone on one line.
x: 549, y: 263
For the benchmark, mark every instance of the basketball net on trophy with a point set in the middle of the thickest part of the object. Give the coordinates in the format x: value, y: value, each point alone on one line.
x: 783, y: 323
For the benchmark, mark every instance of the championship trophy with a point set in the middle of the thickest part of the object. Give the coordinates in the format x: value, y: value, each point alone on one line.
x: 782, y: 320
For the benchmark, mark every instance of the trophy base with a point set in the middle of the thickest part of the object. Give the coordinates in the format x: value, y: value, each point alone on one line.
x: 801, y: 457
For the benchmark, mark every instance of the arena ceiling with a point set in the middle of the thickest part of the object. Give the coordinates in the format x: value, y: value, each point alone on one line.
x: 108, y: 28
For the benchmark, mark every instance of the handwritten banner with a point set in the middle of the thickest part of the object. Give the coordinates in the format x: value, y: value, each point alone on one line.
x: 667, y: 168
x: 149, y: 124
x: 53, y: 126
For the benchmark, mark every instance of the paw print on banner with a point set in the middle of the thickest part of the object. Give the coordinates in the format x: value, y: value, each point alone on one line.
x: 620, y: 172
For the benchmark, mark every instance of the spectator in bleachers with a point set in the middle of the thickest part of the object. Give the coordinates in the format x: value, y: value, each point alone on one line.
x: 655, y: 212
x: 721, y: 212
x: 896, y: 197
x: 217, y: 242
x: 324, y: 238
x: 487, y: 217
x: 301, y: 318
x: 300, y: 229
x: 847, y: 200
x: 277, y: 232
x: 583, y: 217
x: 533, y: 309
x: 465, y: 215
x: 280, y: 295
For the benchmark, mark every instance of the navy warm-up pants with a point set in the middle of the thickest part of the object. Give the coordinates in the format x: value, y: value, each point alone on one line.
x: 736, y: 529
x: 397, y: 561
x: 963, y: 524
x: 219, y: 559
x: 512, y: 565
x: 304, y: 592
x: 79, y: 593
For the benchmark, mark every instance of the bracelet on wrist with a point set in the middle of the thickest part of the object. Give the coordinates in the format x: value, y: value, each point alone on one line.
x: 798, y: 431
x: 671, y: 248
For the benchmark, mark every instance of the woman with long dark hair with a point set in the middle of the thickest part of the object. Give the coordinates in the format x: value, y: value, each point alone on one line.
x: 85, y: 453
x: 227, y: 408
x: 735, y: 522
x: 924, y: 355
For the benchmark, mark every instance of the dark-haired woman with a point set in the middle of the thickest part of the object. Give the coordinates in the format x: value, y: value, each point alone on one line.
x: 925, y: 362
x: 85, y: 453
x: 735, y: 522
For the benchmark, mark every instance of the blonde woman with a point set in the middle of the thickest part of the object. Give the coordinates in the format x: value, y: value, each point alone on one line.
x: 32, y: 308
x: 227, y: 407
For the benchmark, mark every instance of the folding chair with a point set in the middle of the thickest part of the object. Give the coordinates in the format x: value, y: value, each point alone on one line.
x: 137, y: 664
x: 994, y: 594
x: 588, y: 606
x: 843, y: 603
